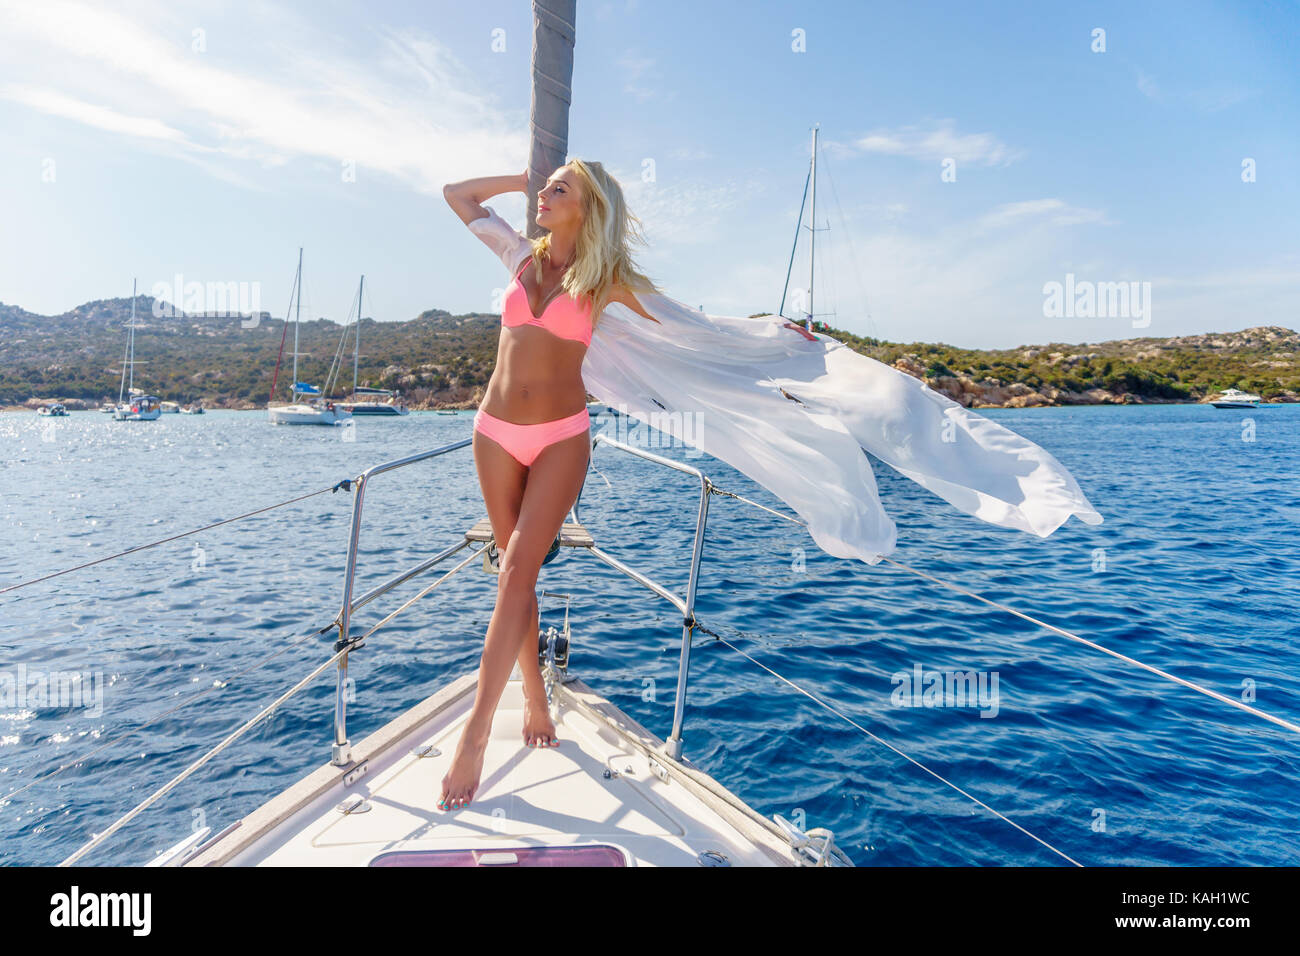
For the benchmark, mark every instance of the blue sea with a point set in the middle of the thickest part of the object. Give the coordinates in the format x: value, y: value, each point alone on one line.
x: 1196, y: 570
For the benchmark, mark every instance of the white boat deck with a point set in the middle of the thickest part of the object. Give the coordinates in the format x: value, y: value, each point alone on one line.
x: 652, y: 810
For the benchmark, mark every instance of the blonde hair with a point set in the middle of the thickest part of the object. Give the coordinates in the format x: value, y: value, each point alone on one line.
x: 603, y: 256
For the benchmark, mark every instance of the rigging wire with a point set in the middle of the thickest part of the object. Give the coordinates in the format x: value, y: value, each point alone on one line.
x: 248, y: 725
x: 220, y: 684
x: 336, y: 363
x: 346, y: 485
x: 798, y: 228
x: 1191, y: 685
x: 342, y: 648
x: 910, y: 759
x: 853, y: 252
x: 284, y: 334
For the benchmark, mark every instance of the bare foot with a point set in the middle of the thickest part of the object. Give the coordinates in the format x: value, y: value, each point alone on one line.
x: 462, y: 779
x: 539, y: 729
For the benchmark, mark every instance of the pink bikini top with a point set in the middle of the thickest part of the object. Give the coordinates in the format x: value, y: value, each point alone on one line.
x: 563, y: 316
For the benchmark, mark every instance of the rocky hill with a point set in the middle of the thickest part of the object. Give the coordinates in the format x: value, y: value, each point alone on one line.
x: 1185, y: 368
x: 436, y: 359
x: 443, y: 360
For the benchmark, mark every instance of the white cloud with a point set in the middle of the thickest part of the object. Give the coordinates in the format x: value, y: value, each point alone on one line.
x: 640, y: 78
x: 1147, y: 85
x: 939, y: 143
x: 413, y: 116
x: 1055, y: 211
x: 685, y: 211
x: 102, y: 117
x: 975, y: 282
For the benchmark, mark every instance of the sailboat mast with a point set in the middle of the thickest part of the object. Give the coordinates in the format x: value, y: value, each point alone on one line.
x: 131, y: 341
x: 293, y: 386
x: 126, y: 355
x: 356, y: 341
x: 812, y: 226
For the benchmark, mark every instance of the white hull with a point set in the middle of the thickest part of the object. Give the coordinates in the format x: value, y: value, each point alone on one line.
x: 650, y: 811
x: 306, y: 415
x: 374, y: 408
x: 1236, y: 398
x: 123, y: 413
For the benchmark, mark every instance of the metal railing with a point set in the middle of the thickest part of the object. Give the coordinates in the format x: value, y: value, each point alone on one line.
x: 673, y: 745
x: 341, y: 749
x: 341, y: 752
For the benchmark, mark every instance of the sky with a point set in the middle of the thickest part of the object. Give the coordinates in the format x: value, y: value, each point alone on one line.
x: 970, y: 155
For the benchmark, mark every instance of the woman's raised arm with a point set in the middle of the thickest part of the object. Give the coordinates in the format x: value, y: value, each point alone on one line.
x: 466, y: 197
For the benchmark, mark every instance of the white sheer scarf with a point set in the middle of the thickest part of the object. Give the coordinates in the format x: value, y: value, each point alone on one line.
x: 794, y: 415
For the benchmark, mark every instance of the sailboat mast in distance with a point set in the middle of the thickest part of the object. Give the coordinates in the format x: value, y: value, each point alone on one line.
x: 812, y: 227
x: 356, y: 339
x: 126, y: 352
x: 811, y: 181
x: 284, y: 333
x: 293, y: 387
x: 131, y: 343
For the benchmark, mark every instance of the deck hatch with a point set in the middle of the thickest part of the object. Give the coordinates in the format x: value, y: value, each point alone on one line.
x: 591, y: 854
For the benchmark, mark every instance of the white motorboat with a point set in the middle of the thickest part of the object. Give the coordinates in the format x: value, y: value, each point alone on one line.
x: 171, y: 408
x: 133, y: 405
x: 54, y: 410
x: 391, y: 406
x: 1235, y: 398
x: 195, y: 409
x: 380, y: 402
x: 306, y: 405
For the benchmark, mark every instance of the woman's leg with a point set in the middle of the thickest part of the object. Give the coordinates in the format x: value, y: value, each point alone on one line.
x: 550, y: 488
x: 503, y: 491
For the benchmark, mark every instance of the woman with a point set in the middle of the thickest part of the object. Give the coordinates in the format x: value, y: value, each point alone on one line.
x: 531, y: 434
x: 792, y: 410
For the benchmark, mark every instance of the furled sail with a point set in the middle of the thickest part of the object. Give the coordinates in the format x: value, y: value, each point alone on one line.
x: 794, y: 414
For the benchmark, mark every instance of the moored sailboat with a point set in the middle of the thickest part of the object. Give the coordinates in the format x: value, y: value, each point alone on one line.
x: 306, y: 405
x: 133, y: 405
x: 382, y: 402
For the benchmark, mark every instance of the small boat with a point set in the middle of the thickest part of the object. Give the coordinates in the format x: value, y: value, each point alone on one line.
x: 448, y: 411
x: 52, y: 411
x: 196, y: 409
x: 107, y: 409
x: 308, y: 407
x: 141, y: 408
x: 137, y: 406
x: 1234, y: 398
x: 364, y: 400
x: 171, y: 408
x: 391, y: 407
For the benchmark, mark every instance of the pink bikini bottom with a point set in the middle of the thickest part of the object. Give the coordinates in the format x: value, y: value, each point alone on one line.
x: 525, y: 442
